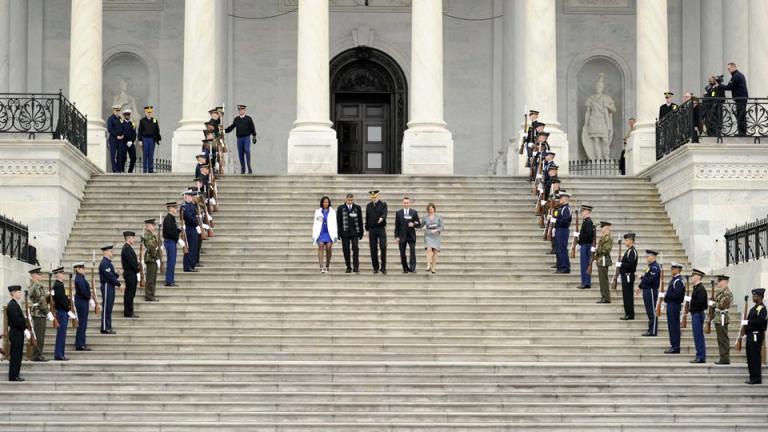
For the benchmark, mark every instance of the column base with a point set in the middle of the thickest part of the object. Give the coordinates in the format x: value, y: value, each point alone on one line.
x: 427, y: 152
x: 312, y: 150
x: 558, y: 143
x: 97, y: 147
x: 187, y: 142
x: 641, y: 149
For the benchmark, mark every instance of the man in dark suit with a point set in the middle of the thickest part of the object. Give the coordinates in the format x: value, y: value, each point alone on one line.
x: 115, y: 132
x: 131, y: 269
x: 668, y: 106
x: 406, y: 222
x: 375, y: 225
x: 18, y: 330
x: 349, y: 217
x: 738, y: 88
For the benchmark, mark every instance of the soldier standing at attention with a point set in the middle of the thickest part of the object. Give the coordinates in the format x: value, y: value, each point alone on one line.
x: 698, y: 308
x: 61, y: 301
x: 723, y: 301
x: 171, y: 233
x: 148, y: 134
x: 40, y: 312
x: 129, y: 132
x: 668, y: 105
x: 530, y: 136
x: 756, y: 322
x: 649, y: 284
x: 115, y: 131
x: 131, y: 273
x: 674, y: 299
x: 107, y: 283
x: 627, y: 268
x: 151, y: 259
x: 603, y: 260
x: 562, y: 224
x: 246, y: 133
x: 82, y: 302
x: 375, y: 224
x: 191, y: 230
x: 585, y: 238
x: 16, y: 334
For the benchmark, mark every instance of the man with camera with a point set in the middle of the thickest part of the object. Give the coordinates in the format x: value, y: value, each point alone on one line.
x: 713, y: 98
x: 738, y: 88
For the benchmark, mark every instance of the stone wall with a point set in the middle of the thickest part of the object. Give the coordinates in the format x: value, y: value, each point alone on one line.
x: 12, y: 272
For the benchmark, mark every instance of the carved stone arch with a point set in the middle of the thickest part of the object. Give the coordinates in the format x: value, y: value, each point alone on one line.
x: 139, y: 67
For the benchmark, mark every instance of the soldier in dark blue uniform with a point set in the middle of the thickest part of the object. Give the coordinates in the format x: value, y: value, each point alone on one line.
x: 115, y: 131
x: 108, y: 281
x: 562, y: 226
x: 129, y: 132
x: 148, y: 134
x: 61, y: 302
x: 649, y: 284
x: 585, y: 237
x: 757, y: 322
x: 17, y: 332
x: 82, y: 303
x: 530, y: 136
x: 674, y: 299
x: 191, y: 230
x: 627, y: 268
x: 698, y: 309
x: 246, y: 133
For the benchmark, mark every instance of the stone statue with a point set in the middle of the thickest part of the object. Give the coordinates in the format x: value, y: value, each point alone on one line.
x: 125, y: 100
x: 597, y: 134
x: 498, y: 166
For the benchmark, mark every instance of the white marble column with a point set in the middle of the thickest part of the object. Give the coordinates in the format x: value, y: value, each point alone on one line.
x: 712, y: 39
x: 18, y: 47
x: 85, y: 73
x: 736, y: 35
x: 758, y: 49
x: 652, y: 81
x: 312, y: 144
x: 5, y: 47
x: 199, y: 87
x: 513, y: 102
x: 541, y: 74
x: 427, y: 143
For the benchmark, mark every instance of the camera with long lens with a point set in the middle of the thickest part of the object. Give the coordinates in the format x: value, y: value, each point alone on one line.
x: 719, y: 79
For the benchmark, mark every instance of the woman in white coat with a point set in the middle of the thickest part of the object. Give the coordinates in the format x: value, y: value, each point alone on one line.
x: 325, y: 233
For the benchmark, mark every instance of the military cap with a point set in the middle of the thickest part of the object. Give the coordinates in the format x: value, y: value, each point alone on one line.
x: 629, y: 236
x: 116, y: 107
x: 373, y: 192
x: 127, y: 111
x: 58, y: 270
x: 150, y: 221
x: 651, y: 252
x: 205, y: 165
x: 676, y: 265
x: 171, y: 204
x: 554, y: 167
x: 723, y: 278
x: 219, y: 108
x: 550, y: 153
x: 213, y: 110
x: 697, y: 272
x: 241, y: 107
x: 668, y: 93
x: 565, y: 194
x: 586, y: 207
x: 538, y: 123
x: 129, y: 234
x: 546, y: 134
x: 78, y: 265
x: 555, y: 181
x: 189, y: 192
x: 149, y: 108
x: 194, y: 189
x: 604, y: 223
x: 533, y: 112
x: 35, y: 270
x: 107, y: 247
x: 201, y: 155
x: 759, y: 291
x: 13, y: 288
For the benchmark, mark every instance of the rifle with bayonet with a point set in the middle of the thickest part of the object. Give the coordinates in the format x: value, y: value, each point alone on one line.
x: 710, y: 309
x: 615, y: 281
x: 183, y: 232
x: 51, y: 303
x: 525, y: 131
x: 660, y: 299
x: 28, y: 320
x: 160, y: 245
x: 72, y: 310
x: 687, y: 306
x: 96, y: 307
x: 593, y: 255
x: 575, y: 238
x: 142, y: 281
x: 743, y: 330
x: 6, y: 341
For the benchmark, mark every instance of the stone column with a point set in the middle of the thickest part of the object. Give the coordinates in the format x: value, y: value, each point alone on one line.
x: 199, y: 88
x: 513, y: 102
x: 18, y: 47
x: 312, y: 144
x: 758, y: 49
x: 711, y: 42
x: 652, y: 81
x: 736, y: 35
x: 541, y: 75
x: 85, y: 74
x: 5, y: 36
x: 427, y: 143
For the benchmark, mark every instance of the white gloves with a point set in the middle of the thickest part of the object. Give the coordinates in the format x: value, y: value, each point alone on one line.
x: 129, y: 144
x: 27, y: 335
x: 575, y: 233
x: 71, y: 315
x: 138, y: 277
x: 180, y: 243
x: 199, y: 231
x: 217, y: 166
x: 687, y: 299
x: 157, y: 262
x: 593, y: 249
x: 530, y: 145
x: 206, y: 227
x: 538, y: 176
x: 744, y: 322
x: 543, y: 202
x: 661, y: 295
x: 49, y: 317
x: 554, y: 220
x: 213, y: 202
x: 92, y: 303
x: 711, y: 303
x: 210, y: 218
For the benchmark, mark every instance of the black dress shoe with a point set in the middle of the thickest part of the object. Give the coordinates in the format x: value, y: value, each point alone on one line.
x: 406, y: 271
x: 671, y: 351
x: 750, y: 382
x: 375, y: 271
x: 627, y: 318
x: 85, y: 348
x: 17, y: 379
x: 383, y: 272
x: 349, y: 270
x: 356, y: 270
x: 108, y: 332
x: 647, y: 334
x: 40, y: 359
x: 722, y: 363
x: 170, y: 284
x: 582, y: 287
x: 603, y: 302
x: 697, y: 361
x: 61, y: 359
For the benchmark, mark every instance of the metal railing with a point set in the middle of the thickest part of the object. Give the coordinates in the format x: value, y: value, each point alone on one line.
x: 713, y: 117
x: 746, y: 242
x: 161, y: 165
x: 594, y: 168
x: 43, y: 113
x: 14, y: 239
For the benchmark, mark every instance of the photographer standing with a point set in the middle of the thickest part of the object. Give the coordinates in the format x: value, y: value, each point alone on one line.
x: 738, y: 88
x: 712, y: 102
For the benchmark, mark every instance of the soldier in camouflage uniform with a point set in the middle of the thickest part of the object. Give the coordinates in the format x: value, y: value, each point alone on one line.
x: 723, y: 301
x: 603, y: 260
x: 151, y: 259
x: 38, y: 298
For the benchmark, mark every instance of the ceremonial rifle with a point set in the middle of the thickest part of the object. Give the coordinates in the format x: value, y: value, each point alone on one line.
x: 687, y: 305
x: 183, y: 232
x: 710, y: 310
x: 525, y: 130
x: 6, y: 342
x: 743, y: 330
x: 660, y: 300
x: 536, y: 180
x: 615, y: 281
x: 592, y: 255
x: 51, y: 304
x: 550, y: 224
x: 72, y: 310
x: 96, y: 307
x: 160, y: 246
x: 575, y: 239
x: 30, y: 327
x: 142, y: 282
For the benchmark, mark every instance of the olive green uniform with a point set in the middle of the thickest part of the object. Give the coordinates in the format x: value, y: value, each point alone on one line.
x: 38, y: 304
x: 603, y: 261
x: 723, y: 300
x: 150, y: 264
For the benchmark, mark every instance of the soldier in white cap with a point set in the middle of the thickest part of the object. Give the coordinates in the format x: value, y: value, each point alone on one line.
x: 115, y: 131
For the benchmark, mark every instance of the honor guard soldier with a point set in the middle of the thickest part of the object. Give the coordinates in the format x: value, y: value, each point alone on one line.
x: 129, y: 130
x: 562, y: 224
x: 585, y: 238
x: 131, y: 273
x: 698, y: 309
x: 350, y: 224
x: 171, y: 233
x: 246, y: 133
x: 649, y: 285
x: 627, y: 268
x: 668, y: 105
x: 723, y: 301
x: 148, y: 134
x: 756, y: 323
x: 82, y: 302
x: 191, y: 230
x: 530, y: 136
x: 40, y: 312
x: 151, y: 258
x: 17, y: 333
x: 674, y: 299
x: 115, y: 131
x: 61, y: 302
x: 202, y: 159
x: 603, y: 260
x: 375, y: 224
x: 107, y: 283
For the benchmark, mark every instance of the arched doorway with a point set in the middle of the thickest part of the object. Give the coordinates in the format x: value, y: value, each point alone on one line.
x: 368, y: 110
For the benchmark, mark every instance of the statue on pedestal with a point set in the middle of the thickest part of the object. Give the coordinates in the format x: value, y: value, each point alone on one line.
x: 124, y: 99
x: 597, y: 133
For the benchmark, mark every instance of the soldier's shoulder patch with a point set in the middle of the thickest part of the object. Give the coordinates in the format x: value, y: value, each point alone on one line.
x: 107, y: 270
x: 154, y: 120
x: 760, y: 307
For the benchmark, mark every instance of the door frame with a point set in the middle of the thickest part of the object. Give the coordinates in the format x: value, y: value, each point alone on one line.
x: 387, y: 77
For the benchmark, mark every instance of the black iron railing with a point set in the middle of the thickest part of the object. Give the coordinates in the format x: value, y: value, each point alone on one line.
x: 14, y: 240
x: 746, y: 242
x: 43, y: 113
x: 714, y: 117
x: 160, y: 165
x: 594, y: 168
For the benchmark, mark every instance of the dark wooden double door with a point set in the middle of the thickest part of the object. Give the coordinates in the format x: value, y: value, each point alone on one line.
x: 363, y: 129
